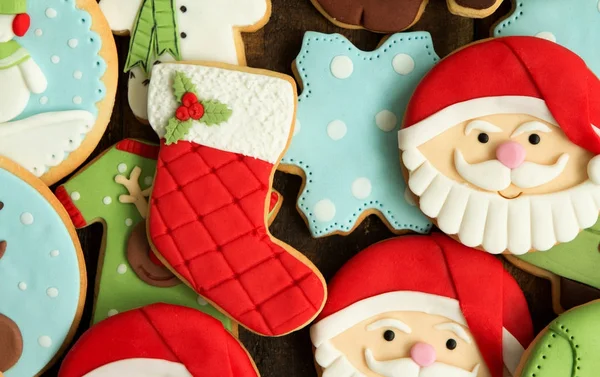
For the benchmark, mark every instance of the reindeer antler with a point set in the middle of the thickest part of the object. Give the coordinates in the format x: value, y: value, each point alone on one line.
x: 136, y: 195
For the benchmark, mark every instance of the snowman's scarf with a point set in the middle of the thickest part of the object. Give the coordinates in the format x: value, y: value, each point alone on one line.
x: 154, y: 33
x: 11, y: 54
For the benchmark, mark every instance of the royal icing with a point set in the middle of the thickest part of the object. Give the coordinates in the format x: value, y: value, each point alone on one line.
x: 573, y: 24
x: 48, y: 112
x: 221, y: 247
x: 130, y: 275
x: 191, y: 30
x: 43, y: 278
x: 345, y: 148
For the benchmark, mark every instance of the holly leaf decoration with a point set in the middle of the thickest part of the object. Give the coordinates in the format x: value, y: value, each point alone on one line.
x: 215, y: 112
x: 181, y: 85
x: 176, y: 130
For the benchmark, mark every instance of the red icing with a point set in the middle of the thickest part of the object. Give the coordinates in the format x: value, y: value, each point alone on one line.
x: 207, y: 219
x: 516, y: 66
x: 188, y: 99
x: 74, y: 213
x: 154, y: 259
x: 161, y: 331
x: 197, y: 111
x: 274, y: 200
x: 182, y: 113
x: 489, y: 297
x: 21, y: 24
x: 139, y: 148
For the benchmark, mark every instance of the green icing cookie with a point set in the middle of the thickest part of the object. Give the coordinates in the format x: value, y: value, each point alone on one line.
x: 94, y: 196
x: 569, y: 347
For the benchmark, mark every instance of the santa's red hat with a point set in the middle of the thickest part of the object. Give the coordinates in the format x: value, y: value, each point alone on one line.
x: 436, y: 275
x: 520, y: 75
x: 181, y: 340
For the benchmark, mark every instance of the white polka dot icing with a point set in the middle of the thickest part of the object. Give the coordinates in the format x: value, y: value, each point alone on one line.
x: 73, y: 42
x: 45, y: 341
x: 297, y: 127
x: 148, y: 180
x: 55, y: 59
x: 361, y: 188
x: 324, y: 210
x: 38, y: 32
x: 43, y: 100
x: 75, y: 196
x: 342, y: 67
x: 128, y: 222
x: 77, y: 75
x: 52, y: 292
x: 121, y: 269
x: 403, y: 64
x: 51, y: 13
x: 54, y: 253
x: 77, y: 100
x: 201, y: 301
x: 26, y: 218
x: 336, y: 130
x: 22, y: 286
x: 122, y: 168
x: 547, y: 36
x: 107, y: 200
x: 112, y: 312
x: 386, y: 120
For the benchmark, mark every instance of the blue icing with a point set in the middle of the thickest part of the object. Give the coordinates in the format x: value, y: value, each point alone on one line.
x: 361, y: 171
x: 574, y: 24
x: 69, y: 23
x: 29, y: 260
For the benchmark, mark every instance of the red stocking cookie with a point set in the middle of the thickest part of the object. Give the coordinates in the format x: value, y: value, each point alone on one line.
x: 422, y: 306
x: 155, y: 341
x: 224, y: 129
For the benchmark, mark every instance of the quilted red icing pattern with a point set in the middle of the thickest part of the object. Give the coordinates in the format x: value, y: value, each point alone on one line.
x: 207, y: 219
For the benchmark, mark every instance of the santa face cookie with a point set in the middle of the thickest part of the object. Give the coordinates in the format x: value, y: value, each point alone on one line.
x: 418, y: 310
x: 193, y: 30
x: 500, y: 162
x: 223, y: 131
x: 155, y: 341
x: 345, y: 138
x: 42, y: 275
x: 567, y: 347
x: 60, y: 62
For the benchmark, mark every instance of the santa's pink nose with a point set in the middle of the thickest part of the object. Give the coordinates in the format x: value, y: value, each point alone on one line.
x: 423, y: 354
x: 511, y: 154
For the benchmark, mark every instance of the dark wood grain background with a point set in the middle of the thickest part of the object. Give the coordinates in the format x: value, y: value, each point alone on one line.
x: 275, y: 47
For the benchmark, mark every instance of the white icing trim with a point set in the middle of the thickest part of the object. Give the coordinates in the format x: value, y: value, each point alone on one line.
x: 415, y: 135
x: 141, y: 368
x: 391, y: 323
x: 512, y: 351
x: 456, y: 329
x: 481, y: 125
x: 530, y: 127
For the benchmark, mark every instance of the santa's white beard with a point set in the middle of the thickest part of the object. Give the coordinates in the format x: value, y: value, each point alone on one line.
x: 406, y: 367
x: 497, y: 224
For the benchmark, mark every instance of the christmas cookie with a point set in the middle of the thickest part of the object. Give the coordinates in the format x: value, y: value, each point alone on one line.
x: 473, y: 8
x: 416, y: 306
x: 166, y: 30
x: 223, y: 131
x: 60, y: 62
x: 567, y: 347
x: 506, y: 159
x: 42, y: 275
x: 114, y: 190
x: 344, y: 144
x: 155, y: 341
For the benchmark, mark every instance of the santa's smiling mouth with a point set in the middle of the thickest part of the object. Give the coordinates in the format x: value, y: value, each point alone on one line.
x: 510, y: 197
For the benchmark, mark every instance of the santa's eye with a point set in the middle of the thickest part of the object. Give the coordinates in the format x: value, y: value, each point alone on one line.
x: 483, y: 138
x: 535, y: 139
x: 451, y: 344
x: 389, y: 335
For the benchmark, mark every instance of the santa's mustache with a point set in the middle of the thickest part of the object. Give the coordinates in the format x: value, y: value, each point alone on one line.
x: 492, y: 175
x: 406, y: 367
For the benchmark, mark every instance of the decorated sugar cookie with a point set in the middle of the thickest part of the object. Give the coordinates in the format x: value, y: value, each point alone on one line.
x: 567, y: 347
x: 42, y: 275
x: 344, y: 144
x: 166, y: 30
x: 223, y: 131
x: 506, y: 159
x: 59, y: 61
x: 416, y: 306
x: 155, y: 341
x: 574, y: 24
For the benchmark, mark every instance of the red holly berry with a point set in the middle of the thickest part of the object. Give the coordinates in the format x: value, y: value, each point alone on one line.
x: 182, y: 113
x: 189, y: 99
x: 196, y: 111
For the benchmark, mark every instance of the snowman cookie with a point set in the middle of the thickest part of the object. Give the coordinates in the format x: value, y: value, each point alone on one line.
x: 42, y: 274
x: 192, y: 30
x: 155, y: 341
x: 59, y: 61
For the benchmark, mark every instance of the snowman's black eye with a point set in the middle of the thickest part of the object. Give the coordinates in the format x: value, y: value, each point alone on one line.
x: 535, y: 139
x: 389, y: 335
x: 451, y: 344
x: 483, y: 138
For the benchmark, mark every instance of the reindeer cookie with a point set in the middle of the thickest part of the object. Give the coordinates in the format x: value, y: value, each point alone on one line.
x: 42, y: 275
x: 59, y: 61
x: 165, y: 30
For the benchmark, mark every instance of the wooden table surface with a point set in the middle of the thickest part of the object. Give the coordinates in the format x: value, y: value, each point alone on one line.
x: 275, y: 47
